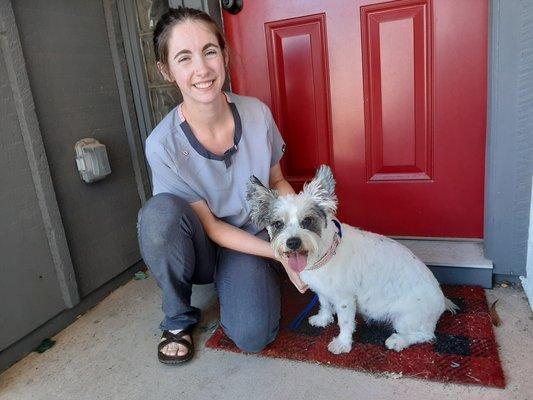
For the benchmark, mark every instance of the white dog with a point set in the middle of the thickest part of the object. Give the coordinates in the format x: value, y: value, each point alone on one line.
x: 363, y: 271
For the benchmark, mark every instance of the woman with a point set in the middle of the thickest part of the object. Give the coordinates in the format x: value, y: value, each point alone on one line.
x: 196, y: 227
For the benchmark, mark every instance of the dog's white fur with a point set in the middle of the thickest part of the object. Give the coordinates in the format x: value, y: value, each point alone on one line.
x: 369, y: 273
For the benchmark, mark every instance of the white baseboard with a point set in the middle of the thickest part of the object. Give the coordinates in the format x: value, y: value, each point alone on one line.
x: 528, y: 289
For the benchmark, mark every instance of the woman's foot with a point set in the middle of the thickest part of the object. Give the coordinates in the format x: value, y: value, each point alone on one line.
x: 175, y: 347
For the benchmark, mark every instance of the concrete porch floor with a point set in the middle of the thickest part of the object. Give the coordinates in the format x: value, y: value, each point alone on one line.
x: 110, y: 353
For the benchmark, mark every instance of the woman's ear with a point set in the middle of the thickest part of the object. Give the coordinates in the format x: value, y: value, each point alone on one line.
x: 226, y: 58
x: 164, y: 71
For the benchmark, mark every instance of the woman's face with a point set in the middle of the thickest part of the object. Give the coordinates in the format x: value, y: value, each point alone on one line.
x: 195, y: 62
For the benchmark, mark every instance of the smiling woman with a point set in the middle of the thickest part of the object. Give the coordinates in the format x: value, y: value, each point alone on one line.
x: 202, y: 155
x: 191, y: 51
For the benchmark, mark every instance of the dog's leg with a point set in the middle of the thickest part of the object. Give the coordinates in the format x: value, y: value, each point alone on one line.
x: 398, y: 342
x: 325, y: 314
x: 346, y: 320
x: 412, y: 328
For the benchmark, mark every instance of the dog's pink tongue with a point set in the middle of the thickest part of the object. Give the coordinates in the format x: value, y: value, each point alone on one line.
x: 297, y: 261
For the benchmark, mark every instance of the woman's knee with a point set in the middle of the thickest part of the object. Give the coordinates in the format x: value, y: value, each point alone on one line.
x: 253, y: 339
x: 159, y: 219
x: 251, y: 324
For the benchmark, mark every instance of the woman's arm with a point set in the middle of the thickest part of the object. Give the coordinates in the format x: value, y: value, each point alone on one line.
x: 277, y: 181
x: 228, y: 236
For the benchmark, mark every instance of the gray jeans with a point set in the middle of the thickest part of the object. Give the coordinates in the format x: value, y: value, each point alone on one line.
x: 179, y: 254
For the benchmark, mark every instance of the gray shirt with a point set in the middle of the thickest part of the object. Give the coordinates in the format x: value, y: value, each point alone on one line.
x: 182, y: 166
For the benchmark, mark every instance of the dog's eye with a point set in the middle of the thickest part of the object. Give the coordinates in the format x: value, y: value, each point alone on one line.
x: 306, y: 222
x: 278, y: 225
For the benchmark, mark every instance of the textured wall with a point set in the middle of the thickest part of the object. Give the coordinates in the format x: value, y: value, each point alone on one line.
x: 66, y: 48
x: 510, y: 146
x: 29, y: 288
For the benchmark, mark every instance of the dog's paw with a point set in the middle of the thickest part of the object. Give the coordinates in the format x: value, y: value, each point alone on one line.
x: 320, y: 321
x: 338, y: 346
x: 396, y: 342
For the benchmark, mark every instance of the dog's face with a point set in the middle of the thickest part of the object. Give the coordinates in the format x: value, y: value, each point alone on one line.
x: 295, y: 223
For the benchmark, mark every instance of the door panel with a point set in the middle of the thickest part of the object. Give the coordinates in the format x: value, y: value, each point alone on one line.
x: 297, y: 57
x: 391, y: 94
x: 396, y: 60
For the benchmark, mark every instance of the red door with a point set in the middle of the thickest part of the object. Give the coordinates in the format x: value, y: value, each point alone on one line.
x: 391, y: 94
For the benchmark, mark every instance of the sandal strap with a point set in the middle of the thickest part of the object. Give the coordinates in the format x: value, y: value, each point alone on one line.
x: 178, y: 338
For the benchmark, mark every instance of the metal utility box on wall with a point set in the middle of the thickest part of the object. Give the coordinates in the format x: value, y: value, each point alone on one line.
x: 91, y: 160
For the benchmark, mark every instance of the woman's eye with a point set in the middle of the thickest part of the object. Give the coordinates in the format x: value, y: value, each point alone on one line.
x: 278, y: 225
x: 211, y: 53
x: 306, y: 222
x: 183, y: 59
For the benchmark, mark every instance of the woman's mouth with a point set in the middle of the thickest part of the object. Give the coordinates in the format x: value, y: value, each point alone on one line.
x: 204, y: 85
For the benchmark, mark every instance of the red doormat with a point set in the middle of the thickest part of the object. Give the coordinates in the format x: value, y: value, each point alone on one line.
x: 465, y: 350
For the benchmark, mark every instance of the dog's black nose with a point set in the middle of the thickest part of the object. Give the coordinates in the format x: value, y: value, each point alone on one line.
x: 294, y: 243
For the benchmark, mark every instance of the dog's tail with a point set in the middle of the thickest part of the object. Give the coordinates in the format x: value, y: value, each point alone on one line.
x: 450, y: 306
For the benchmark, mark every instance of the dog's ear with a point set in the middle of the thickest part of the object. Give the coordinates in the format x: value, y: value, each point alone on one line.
x: 322, y: 189
x: 260, y: 199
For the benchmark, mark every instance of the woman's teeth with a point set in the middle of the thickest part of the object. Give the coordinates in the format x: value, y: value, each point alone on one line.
x: 203, y: 85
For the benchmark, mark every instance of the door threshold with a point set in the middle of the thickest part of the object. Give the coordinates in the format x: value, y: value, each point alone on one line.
x: 457, y: 262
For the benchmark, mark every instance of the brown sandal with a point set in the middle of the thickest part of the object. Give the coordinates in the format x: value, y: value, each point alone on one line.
x: 170, y: 337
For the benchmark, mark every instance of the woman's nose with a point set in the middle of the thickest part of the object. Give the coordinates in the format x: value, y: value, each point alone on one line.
x: 200, y: 66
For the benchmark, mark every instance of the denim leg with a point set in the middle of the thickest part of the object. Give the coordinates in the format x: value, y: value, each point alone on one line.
x: 178, y: 253
x: 249, y: 293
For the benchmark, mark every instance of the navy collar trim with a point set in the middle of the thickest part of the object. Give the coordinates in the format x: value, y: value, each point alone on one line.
x: 200, y: 149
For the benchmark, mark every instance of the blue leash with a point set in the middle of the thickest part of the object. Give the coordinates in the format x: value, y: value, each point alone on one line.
x: 295, y: 324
